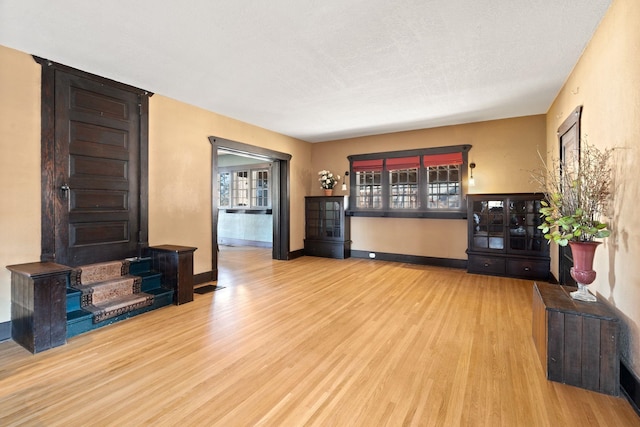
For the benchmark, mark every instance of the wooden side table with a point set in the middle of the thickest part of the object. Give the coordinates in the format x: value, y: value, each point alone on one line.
x: 577, y: 341
x: 176, y: 265
x: 39, y: 305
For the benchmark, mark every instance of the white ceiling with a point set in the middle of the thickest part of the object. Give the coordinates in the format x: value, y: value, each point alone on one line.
x: 321, y: 70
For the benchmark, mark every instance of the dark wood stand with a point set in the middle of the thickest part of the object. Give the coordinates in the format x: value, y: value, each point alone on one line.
x: 176, y: 265
x: 577, y: 341
x: 39, y: 305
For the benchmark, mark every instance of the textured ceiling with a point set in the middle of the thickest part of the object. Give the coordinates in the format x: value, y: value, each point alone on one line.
x: 321, y: 70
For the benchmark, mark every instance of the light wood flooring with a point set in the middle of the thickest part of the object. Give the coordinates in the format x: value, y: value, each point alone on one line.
x: 309, y: 342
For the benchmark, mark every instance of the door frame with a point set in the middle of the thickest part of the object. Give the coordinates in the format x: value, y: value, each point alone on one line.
x: 280, y: 190
x: 49, y: 188
x: 568, y: 154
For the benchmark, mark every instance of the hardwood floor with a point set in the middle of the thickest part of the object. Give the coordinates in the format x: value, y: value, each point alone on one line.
x: 311, y: 341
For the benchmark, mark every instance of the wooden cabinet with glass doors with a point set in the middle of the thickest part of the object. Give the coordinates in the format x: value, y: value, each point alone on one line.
x: 504, y: 238
x: 327, y: 228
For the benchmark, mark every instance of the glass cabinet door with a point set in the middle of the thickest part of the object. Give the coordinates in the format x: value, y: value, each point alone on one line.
x: 324, y: 219
x: 488, y: 224
x: 313, y: 220
x: 524, y: 218
x: 333, y: 223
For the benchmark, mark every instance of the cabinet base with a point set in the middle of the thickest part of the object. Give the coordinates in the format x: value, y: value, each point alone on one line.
x: 522, y: 268
x: 319, y: 248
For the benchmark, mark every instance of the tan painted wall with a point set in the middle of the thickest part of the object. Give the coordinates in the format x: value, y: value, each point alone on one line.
x: 606, y: 81
x: 179, y: 171
x: 503, y: 150
x: 19, y: 167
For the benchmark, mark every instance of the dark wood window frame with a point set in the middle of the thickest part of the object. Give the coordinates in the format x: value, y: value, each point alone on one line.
x: 423, y: 211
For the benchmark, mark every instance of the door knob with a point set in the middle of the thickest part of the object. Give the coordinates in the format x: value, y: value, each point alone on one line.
x: 64, y: 188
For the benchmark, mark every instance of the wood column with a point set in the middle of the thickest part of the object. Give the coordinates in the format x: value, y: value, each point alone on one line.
x: 176, y: 265
x: 39, y: 305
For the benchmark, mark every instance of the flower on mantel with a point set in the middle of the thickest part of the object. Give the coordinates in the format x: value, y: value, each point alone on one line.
x: 327, y: 179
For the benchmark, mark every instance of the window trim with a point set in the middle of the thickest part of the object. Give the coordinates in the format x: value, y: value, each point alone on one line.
x: 423, y: 211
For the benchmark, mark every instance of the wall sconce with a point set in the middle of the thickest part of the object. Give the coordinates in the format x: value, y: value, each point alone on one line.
x: 472, y: 180
x: 344, y: 182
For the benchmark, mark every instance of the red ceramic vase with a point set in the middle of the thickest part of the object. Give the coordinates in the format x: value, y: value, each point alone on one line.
x: 582, y: 270
x: 583, y: 253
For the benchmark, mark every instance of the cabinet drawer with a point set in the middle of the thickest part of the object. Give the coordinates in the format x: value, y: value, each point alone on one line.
x: 528, y: 268
x: 486, y: 265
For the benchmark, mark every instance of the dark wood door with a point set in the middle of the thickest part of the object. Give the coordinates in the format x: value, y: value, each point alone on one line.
x: 96, y: 170
x: 569, y: 138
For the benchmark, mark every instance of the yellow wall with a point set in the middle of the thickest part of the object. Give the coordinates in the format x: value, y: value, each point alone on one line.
x: 19, y: 167
x: 503, y: 150
x: 179, y: 171
x: 606, y: 81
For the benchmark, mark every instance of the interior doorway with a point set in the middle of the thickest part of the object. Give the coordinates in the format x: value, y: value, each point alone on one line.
x: 245, y: 199
x: 279, y: 190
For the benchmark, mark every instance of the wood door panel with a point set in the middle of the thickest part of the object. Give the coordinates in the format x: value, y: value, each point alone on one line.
x: 89, y: 136
x: 83, y: 201
x: 83, y: 167
x: 83, y: 99
x: 98, y: 158
x: 93, y: 219
x: 83, y: 234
